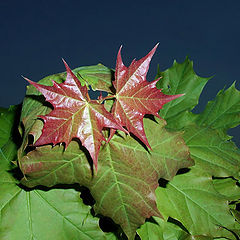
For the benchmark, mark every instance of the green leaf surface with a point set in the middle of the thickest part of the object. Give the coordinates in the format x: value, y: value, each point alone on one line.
x: 158, y: 229
x: 8, y: 149
x: 218, y: 157
x: 98, y: 76
x: 7, y: 117
x: 179, y: 79
x: 124, y: 187
x: 55, y: 214
x: 192, y: 199
x: 227, y: 187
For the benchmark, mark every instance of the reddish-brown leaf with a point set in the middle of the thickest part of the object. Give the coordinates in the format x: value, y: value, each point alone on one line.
x: 135, y: 96
x: 74, y: 115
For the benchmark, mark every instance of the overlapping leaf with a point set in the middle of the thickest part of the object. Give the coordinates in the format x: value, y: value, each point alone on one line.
x: 135, y: 96
x: 98, y: 77
x: 124, y: 188
x: 54, y: 214
x: 74, y: 116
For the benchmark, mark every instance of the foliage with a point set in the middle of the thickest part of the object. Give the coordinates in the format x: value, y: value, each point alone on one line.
x: 192, y: 158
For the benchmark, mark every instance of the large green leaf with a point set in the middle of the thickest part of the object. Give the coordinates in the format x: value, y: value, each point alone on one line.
x: 36, y: 214
x: 192, y: 199
x: 124, y: 187
x: 178, y: 79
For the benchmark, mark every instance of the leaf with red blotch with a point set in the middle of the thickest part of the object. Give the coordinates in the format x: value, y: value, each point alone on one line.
x: 135, y: 96
x: 75, y: 115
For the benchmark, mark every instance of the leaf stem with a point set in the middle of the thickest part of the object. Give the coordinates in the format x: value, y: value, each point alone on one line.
x: 108, y: 97
x: 88, y: 97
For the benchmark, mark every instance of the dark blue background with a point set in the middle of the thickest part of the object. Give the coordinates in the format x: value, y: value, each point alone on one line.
x: 35, y: 35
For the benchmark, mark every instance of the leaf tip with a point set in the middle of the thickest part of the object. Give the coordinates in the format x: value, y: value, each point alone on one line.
x: 66, y: 65
x: 178, y: 95
x: 157, y: 45
x: 26, y: 79
x: 154, y: 49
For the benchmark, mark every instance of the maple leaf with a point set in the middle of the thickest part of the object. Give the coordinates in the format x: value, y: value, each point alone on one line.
x: 135, y: 96
x: 75, y: 115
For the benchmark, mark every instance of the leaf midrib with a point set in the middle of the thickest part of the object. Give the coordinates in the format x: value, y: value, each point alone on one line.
x: 119, y: 190
x: 127, y: 82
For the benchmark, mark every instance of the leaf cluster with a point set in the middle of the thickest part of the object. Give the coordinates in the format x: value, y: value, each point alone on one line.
x: 185, y: 187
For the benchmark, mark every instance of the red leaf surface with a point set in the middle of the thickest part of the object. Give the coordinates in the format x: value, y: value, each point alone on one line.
x: 75, y: 115
x: 135, y: 96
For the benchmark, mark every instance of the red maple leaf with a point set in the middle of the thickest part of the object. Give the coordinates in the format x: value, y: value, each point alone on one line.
x: 74, y: 115
x: 135, y: 96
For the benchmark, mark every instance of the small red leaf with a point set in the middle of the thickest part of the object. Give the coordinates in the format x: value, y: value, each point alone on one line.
x: 135, y: 96
x: 74, y: 115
